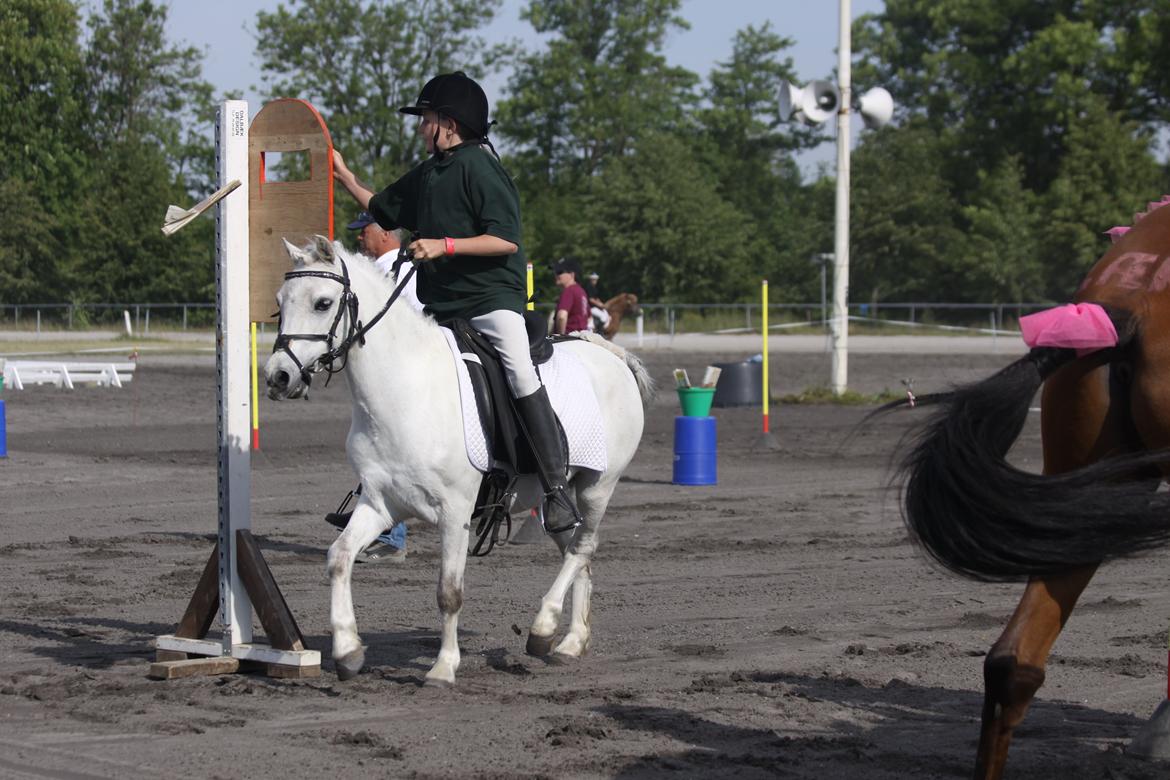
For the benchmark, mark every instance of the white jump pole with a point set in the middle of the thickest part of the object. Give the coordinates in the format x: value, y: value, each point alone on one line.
x: 233, y: 389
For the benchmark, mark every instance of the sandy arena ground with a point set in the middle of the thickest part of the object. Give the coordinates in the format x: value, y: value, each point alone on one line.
x: 778, y: 624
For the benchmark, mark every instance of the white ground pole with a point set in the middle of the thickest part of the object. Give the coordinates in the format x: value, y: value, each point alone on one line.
x: 840, y: 363
x: 233, y: 371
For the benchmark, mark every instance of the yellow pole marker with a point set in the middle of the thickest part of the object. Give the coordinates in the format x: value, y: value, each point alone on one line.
x: 255, y: 394
x: 531, y: 305
x: 764, y: 327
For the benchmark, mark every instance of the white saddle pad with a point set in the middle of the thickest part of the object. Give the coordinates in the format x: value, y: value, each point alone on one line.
x: 569, y: 390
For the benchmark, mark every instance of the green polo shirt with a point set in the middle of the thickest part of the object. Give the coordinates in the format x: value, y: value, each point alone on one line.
x: 464, y: 194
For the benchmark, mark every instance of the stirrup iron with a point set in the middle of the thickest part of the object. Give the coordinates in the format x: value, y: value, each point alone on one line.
x: 559, y: 496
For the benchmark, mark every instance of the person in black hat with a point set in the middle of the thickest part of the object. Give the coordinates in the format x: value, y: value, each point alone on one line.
x: 465, y: 209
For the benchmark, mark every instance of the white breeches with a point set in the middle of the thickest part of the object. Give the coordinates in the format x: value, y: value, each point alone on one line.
x: 505, y: 330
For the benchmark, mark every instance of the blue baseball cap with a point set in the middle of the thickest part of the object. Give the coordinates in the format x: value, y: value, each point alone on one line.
x: 362, y: 220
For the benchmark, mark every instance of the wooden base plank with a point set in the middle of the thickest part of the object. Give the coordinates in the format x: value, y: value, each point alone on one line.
x: 192, y: 667
x: 281, y: 671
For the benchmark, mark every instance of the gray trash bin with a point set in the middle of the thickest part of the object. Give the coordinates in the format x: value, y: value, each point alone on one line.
x: 740, y: 384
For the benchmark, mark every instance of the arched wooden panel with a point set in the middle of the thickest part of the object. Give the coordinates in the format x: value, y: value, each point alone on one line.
x: 295, y: 210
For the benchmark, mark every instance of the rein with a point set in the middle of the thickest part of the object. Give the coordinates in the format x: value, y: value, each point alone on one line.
x: 348, y: 305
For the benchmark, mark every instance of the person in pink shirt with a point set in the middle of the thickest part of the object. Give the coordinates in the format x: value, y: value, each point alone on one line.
x: 573, y: 305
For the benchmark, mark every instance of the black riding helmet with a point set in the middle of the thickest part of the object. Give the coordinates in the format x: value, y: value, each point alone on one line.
x: 457, y: 96
x: 426, y: 97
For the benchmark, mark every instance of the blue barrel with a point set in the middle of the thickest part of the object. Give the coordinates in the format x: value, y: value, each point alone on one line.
x: 3, y: 433
x: 694, y: 451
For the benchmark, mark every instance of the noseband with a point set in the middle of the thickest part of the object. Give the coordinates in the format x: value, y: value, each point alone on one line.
x: 347, y: 305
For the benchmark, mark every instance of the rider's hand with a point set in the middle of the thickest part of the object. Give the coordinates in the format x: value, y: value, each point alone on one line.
x: 340, y: 169
x: 428, y: 249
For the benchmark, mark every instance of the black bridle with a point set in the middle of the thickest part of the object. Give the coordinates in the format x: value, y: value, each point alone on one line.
x: 335, y: 357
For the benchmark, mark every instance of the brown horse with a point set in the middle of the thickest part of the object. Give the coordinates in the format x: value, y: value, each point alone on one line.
x: 620, y: 305
x: 1105, y: 425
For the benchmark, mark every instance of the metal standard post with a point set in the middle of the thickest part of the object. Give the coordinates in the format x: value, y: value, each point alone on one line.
x: 767, y: 439
x: 841, y: 231
x: 764, y: 354
x: 233, y: 385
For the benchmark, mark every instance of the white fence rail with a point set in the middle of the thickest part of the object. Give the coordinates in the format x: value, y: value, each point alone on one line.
x: 18, y: 374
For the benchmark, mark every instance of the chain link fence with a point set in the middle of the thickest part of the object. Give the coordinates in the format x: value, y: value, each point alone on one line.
x: 142, y: 317
x: 669, y: 318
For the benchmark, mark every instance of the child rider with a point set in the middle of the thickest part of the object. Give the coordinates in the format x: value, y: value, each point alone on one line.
x: 466, y: 210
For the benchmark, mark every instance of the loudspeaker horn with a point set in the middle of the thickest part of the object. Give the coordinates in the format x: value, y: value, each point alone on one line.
x: 876, y: 107
x: 818, y: 101
x: 789, y: 100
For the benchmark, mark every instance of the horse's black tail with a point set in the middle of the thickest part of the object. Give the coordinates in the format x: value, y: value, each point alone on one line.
x: 981, y: 517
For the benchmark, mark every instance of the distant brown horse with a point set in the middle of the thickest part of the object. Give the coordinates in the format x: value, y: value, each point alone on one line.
x: 1105, y: 425
x: 620, y: 305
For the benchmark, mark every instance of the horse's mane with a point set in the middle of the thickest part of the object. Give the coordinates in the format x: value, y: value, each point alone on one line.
x: 363, y: 265
x: 619, y: 297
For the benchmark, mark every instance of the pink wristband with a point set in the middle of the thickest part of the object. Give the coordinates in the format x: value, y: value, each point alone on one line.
x: 450, y: 245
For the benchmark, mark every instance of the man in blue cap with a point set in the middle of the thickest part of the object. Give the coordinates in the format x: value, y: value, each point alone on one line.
x: 382, y: 246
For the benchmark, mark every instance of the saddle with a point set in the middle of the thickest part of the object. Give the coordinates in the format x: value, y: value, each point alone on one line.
x: 510, y: 452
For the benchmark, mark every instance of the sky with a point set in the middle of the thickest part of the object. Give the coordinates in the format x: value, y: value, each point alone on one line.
x: 224, y: 30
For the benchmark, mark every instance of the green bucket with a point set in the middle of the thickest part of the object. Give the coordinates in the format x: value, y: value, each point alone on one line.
x: 696, y: 401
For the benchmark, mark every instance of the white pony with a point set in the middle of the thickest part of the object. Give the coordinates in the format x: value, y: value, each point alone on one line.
x: 406, y: 440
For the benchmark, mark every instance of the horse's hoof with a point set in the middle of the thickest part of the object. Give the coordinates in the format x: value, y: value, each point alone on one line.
x: 538, y: 645
x: 349, y: 665
x: 435, y: 682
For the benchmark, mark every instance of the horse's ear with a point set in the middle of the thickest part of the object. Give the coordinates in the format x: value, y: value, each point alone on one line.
x: 324, y: 247
x: 296, y: 255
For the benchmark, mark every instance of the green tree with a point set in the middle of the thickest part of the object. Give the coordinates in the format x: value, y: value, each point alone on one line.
x: 742, y: 138
x: 1046, y: 105
x: 653, y: 222
x: 582, y: 103
x: 359, y: 61
x: 41, y: 162
x: 601, y: 83
x: 144, y: 92
x: 1106, y: 175
x: 998, y: 254
x: 904, y: 219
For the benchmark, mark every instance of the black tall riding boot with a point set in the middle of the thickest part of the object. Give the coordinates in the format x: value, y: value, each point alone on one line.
x: 540, y: 423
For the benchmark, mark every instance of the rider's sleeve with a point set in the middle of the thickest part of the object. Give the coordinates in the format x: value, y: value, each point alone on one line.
x: 494, y: 199
x: 396, y: 206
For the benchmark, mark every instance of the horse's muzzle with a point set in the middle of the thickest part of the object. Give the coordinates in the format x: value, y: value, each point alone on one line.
x: 283, y: 383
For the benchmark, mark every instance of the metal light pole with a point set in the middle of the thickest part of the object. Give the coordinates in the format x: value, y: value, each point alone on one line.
x: 840, y: 329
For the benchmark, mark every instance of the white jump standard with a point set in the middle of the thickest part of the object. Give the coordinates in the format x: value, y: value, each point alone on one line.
x: 235, y: 578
